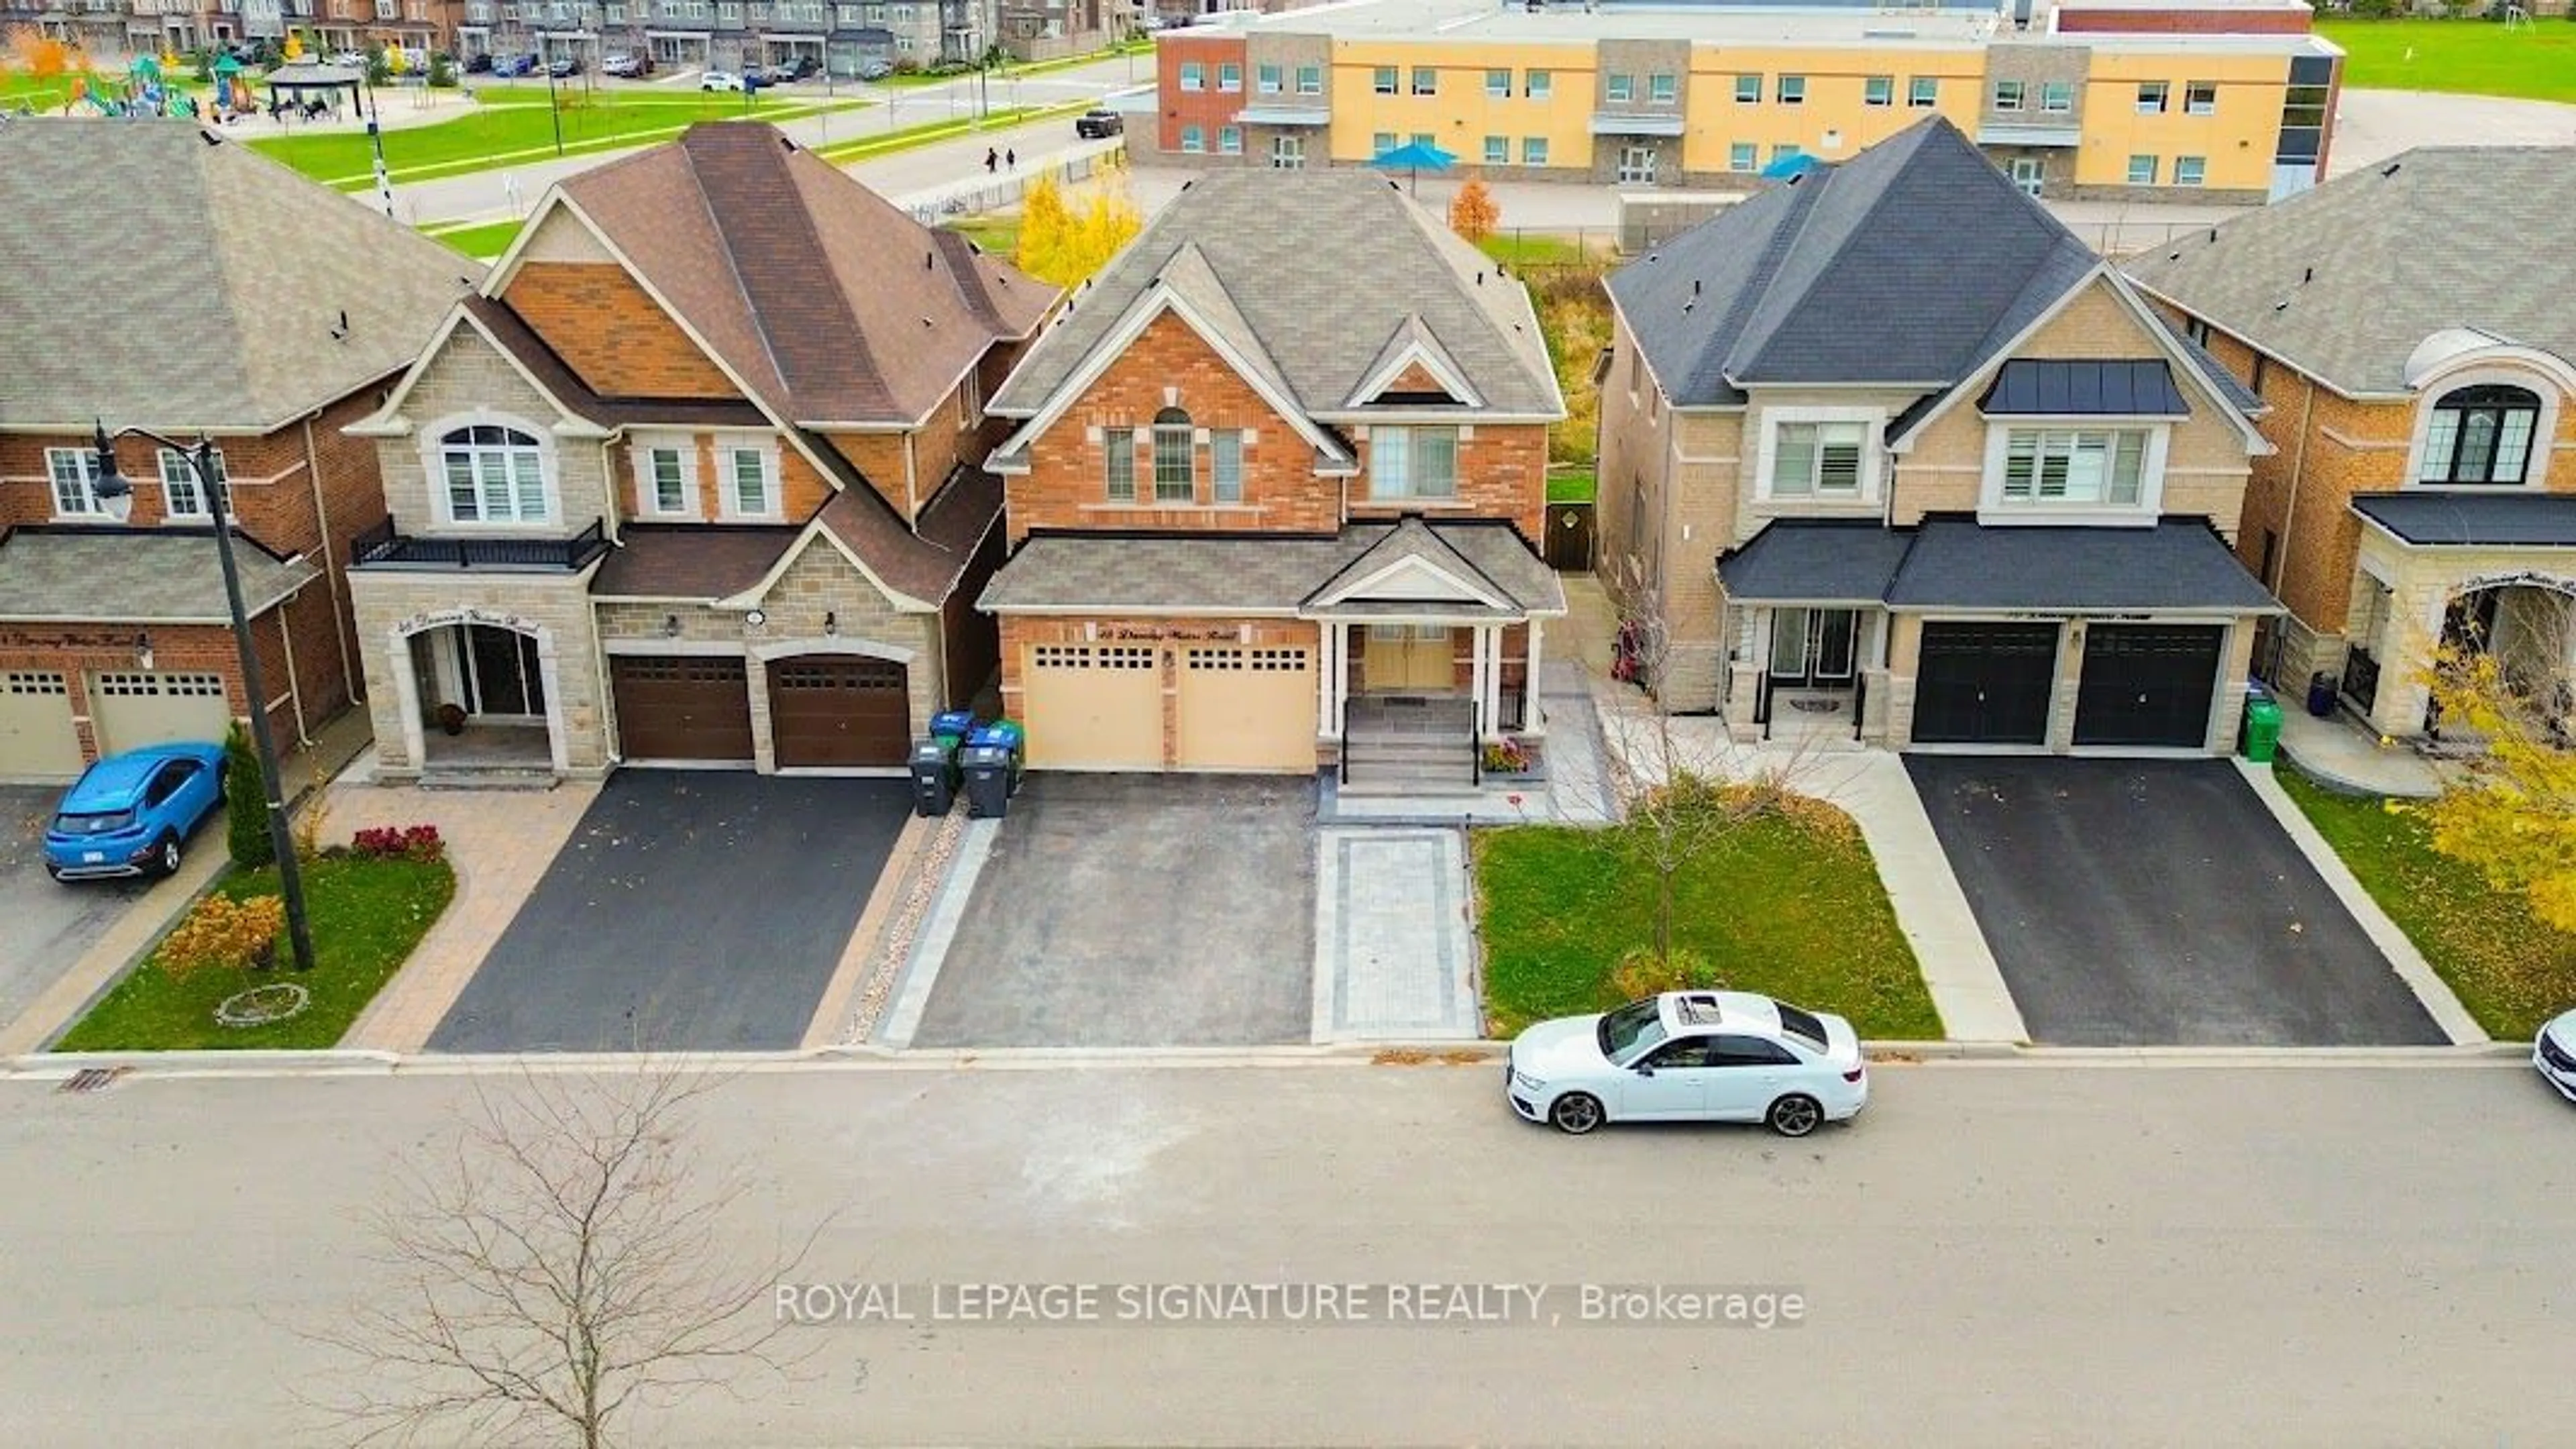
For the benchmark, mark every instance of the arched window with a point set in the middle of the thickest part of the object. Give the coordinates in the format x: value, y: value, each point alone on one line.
x: 2480, y: 434
x: 494, y: 475
x: 1175, y: 477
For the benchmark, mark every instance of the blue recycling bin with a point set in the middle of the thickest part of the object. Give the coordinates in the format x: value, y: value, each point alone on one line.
x: 953, y: 725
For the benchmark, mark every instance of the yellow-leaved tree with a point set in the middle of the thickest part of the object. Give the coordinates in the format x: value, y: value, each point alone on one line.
x: 1473, y: 213
x: 2514, y: 816
x: 1066, y: 243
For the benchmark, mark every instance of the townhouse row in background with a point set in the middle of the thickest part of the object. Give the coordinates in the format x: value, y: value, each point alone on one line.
x: 708, y: 471
x: 2140, y: 100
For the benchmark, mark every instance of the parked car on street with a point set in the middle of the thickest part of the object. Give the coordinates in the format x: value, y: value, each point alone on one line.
x: 720, y: 80
x: 131, y: 814
x: 628, y: 67
x: 875, y: 70
x: 515, y: 65
x: 1093, y: 125
x: 479, y: 63
x: 562, y: 69
x: 2554, y: 1053
x: 354, y: 59
x: 1690, y: 1056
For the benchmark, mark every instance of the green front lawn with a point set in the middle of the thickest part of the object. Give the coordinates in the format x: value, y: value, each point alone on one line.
x: 514, y: 129
x: 1533, y: 249
x: 366, y: 917
x: 841, y: 153
x: 2470, y: 57
x: 1571, y: 485
x: 998, y: 236
x: 1793, y: 911
x: 482, y: 243
x: 2509, y: 970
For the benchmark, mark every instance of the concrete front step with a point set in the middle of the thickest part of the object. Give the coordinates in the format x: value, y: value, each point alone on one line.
x: 523, y: 780
x: 1444, y: 752
x: 1389, y: 784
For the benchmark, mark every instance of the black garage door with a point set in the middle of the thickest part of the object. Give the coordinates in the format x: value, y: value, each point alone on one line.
x: 839, y: 711
x: 2148, y: 684
x: 681, y: 707
x: 1984, y: 684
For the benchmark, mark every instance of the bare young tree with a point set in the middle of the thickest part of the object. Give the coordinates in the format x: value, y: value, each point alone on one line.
x: 555, y: 1267
x: 1680, y: 785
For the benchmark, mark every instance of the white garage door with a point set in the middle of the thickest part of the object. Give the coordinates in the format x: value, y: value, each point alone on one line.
x: 1094, y: 707
x: 36, y: 736
x: 1247, y: 709
x: 136, y: 709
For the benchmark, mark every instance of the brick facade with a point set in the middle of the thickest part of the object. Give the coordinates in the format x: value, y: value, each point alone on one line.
x: 1207, y: 108
x: 611, y: 332
x: 2231, y: 20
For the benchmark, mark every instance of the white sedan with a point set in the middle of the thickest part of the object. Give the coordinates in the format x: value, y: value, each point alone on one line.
x: 1690, y: 1056
x: 2554, y: 1053
x: 720, y: 80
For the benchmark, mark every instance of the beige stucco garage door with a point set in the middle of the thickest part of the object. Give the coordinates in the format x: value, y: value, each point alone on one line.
x: 1247, y: 709
x: 1093, y: 707
x: 131, y: 710
x: 36, y: 736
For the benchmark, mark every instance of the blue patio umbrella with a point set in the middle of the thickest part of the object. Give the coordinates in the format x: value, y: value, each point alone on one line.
x: 1789, y: 166
x: 1415, y: 157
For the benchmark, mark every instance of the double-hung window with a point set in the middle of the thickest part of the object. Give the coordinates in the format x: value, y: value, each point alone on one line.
x: 1310, y: 80
x: 180, y: 495
x: 1193, y: 76
x: 1175, y: 474
x: 1533, y: 150
x: 1743, y: 156
x: 1498, y: 150
x: 1229, y: 140
x: 1817, y: 460
x: 1620, y: 89
x: 1382, y: 80
x: 2190, y: 170
x: 1498, y: 85
x: 1923, y: 92
x: 1413, y: 462
x: 751, y: 482
x: 2057, y: 98
x: 2142, y: 170
x: 2008, y: 95
x: 1225, y: 466
x: 1663, y: 88
x: 1426, y: 81
x: 1791, y: 91
x: 1537, y: 85
x: 2200, y: 98
x: 1229, y: 76
x: 75, y: 476
x: 2053, y: 466
x: 1118, y: 463
x: 2151, y: 97
x: 1270, y: 79
x: 1748, y: 90
x: 1878, y: 90
x: 494, y: 475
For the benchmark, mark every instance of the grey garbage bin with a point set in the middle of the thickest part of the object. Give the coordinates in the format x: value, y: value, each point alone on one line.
x: 934, y: 776
x: 988, y: 781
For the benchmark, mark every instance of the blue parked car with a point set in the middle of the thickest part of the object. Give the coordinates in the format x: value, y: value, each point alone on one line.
x: 130, y: 814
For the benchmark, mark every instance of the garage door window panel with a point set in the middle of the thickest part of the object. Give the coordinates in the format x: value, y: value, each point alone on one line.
x: 495, y: 475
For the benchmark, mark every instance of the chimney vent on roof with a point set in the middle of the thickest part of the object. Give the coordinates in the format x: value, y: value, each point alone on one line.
x: 2307, y: 276
x: 929, y: 262
x: 1694, y: 286
x: 2213, y: 234
x: 2390, y: 169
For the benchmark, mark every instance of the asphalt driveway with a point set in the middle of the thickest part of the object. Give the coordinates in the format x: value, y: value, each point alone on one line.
x: 2157, y: 903
x: 46, y: 926
x: 1138, y: 910
x: 689, y: 910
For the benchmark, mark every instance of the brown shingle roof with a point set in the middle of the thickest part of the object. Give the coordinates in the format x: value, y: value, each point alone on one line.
x: 690, y: 561
x: 801, y: 279
x: 924, y: 565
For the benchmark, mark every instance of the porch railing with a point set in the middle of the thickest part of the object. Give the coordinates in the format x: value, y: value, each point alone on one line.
x: 1476, y: 742
x: 384, y: 547
x: 1342, y: 732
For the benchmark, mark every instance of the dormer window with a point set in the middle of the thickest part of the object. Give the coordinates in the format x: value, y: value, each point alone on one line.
x: 2480, y: 435
x: 2053, y: 467
x: 1175, y: 478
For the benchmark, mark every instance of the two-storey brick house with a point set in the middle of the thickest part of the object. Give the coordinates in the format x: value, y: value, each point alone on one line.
x: 2418, y: 357
x: 1277, y: 473
x: 1889, y: 455
x: 694, y: 477
x: 162, y: 277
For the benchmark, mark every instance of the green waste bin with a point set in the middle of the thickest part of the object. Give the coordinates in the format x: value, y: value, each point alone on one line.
x: 2261, y: 736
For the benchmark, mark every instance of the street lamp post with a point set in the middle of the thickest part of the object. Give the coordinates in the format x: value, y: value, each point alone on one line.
x: 117, y: 496
x: 554, y: 108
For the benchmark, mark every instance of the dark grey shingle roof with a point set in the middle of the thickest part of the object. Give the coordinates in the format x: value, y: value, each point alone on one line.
x: 136, y: 575
x: 1823, y: 561
x: 1273, y: 574
x: 2177, y: 564
x: 2346, y: 280
x: 1310, y: 271
x: 1911, y: 262
x: 2537, y: 520
x: 2082, y: 387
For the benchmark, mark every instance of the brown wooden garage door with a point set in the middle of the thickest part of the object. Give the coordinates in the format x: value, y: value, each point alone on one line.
x: 681, y: 707
x: 839, y: 711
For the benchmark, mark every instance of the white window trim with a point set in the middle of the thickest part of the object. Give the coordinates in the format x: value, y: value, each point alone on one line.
x: 1873, y: 456
x: 641, y: 448
x: 1993, y: 510
x: 89, y: 491
x: 2535, y: 471
x: 433, y: 461
x: 1461, y: 436
x: 186, y: 477
x: 728, y: 505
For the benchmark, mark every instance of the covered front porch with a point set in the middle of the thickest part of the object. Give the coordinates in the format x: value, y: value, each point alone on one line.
x: 2489, y: 576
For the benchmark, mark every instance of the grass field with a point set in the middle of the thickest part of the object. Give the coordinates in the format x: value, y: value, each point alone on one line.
x: 2466, y: 57
x: 366, y: 916
x: 482, y: 243
x: 2509, y: 970
x: 514, y: 122
x: 48, y: 93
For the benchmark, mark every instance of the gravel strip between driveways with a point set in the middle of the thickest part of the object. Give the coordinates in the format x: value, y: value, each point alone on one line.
x: 895, y: 947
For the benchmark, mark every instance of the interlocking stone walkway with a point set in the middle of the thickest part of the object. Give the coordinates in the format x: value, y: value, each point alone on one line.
x: 1395, y: 952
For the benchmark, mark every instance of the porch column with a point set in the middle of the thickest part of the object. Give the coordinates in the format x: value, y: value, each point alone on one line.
x: 1533, y: 719
x: 1489, y: 677
x: 1327, y: 715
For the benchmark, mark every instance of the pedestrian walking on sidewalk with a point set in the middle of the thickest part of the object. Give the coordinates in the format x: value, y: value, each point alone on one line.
x: 992, y: 159
x: 1011, y: 159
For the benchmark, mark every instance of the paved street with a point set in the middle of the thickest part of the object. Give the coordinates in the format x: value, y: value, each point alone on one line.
x: 1996, y: 1255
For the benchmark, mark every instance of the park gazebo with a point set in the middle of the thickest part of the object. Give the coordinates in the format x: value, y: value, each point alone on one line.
x: 299, y: 83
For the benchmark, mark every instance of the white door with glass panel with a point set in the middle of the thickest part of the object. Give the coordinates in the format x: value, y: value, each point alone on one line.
x: 2029, y: 173
x: 1637, y: 165
x: 1812, y: 648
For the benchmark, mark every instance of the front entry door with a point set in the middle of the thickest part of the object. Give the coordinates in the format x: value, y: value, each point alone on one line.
x: 2030, y: 174
x: 1812, y: 648
x: 1410, y: 658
